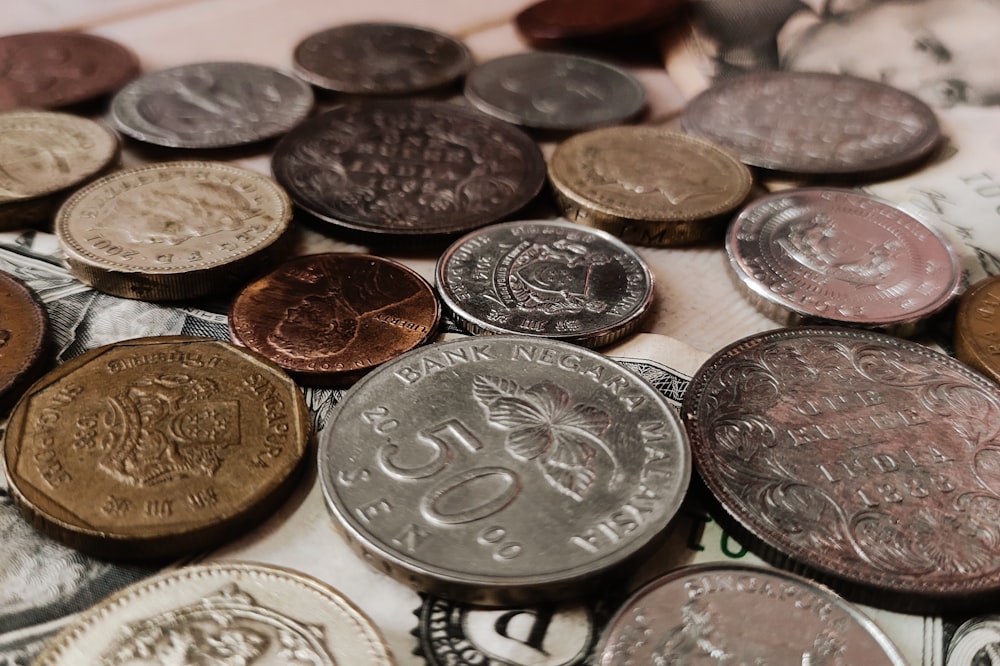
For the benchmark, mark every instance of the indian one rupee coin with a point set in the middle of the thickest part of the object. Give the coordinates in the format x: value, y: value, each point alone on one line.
x: 741, y: 615
x: 211, y: 105
x: 24, y: 338
x: 503, y: 470
x: 866, y: 461
x: 977, y: 327
x: 154, y: 447
x: 548, y: 278
x: 223, y: 613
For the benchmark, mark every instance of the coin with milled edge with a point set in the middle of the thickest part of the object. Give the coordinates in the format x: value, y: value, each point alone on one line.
x: 840, y: 256
x: 503, y: 470
x: 154, y: 447
x: 24, y: 332
x: 211, y: 105
x: 648, y: 186
x: 977, y: 327
x: 866, y: 461
x: 222, y: 613
x: 547, y: 278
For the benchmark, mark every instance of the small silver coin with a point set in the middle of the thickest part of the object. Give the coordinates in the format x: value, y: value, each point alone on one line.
x: 547, y: 278
x: 211, y: 105
x: 555, y: 91
x: 503, y: 470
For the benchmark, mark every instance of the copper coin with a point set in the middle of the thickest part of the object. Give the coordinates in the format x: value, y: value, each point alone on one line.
x: 977, y: 327
x: 329, y: 318
x: 867, y: 461
x: 24, y: 327
x: 54, y: 69
x: 154, y: 447
x: 590, y: 19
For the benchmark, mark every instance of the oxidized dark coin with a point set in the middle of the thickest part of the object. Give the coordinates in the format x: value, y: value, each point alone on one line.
x: 871, y: 462
x: 329, y: 318
x: 23, y: 338
x: 53, y: 69
x: 590, y: 19
x: 977, y: 327
x: 408, y: 167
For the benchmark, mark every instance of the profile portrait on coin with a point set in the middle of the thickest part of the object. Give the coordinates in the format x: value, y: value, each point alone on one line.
x: 27, y: 158
x: 656, y: 174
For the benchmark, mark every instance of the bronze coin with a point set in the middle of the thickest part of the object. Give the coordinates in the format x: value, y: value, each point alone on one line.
x: 977, y: 327
x: 590, y: 19
x: 154, y: 447
x: 330, y: 318
x: 54, y: 69
x: 24, y: 329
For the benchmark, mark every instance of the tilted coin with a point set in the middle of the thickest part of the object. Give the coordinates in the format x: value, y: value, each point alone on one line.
x: 547, y: 278
x: 554, y: 91
x: 741, y: 615
x: 977, y: 327
x: 408, y: 167
x: 225, y: 613
x: 812, y: 123
x: 550, y: 20
x: 24, y: 327
x: 172, y: 230
x: 646, y: 185
x: 211, y: 105
x: 868, y: 461
x: 330, y: 318
x: 840, y: 256
x: 381, y: 59
x: 153, y: 447
x: 503, y: 470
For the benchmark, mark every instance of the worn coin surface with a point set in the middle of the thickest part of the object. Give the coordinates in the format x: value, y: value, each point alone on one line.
x: 154, y: 447
x: 977, y: 327
x: 211, y: 105
x: 812, y: 123
x: 24, y: 329
x: 547, y: 278
x: 592, y: 19
x: 329, y: 318
x: 866, y: 460
x: 381, y: 59
x: 700, y: 614
x: 172, y: 230
x: 408, y: 167
x: 555, y: 91
x: 647, y: 185
x: 223, y: 613
x: 503, y: 470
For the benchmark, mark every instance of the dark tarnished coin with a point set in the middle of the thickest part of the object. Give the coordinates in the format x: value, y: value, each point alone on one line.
x: 546, y: 278
x: 592, y: 19
x: 154, y: 447
x: 55, y: 69
x: 840, y: 256
x: 554, y: 91
x: 812, y: 123
x: 381, y: 59
x: 732, y: 614
x: 503, y: 470
x: 648, y: 186
x: 24, y: 327
x: 408, y: 168
x: 868, y: 461
x: 330, y: 318
x: 977, y: 327
x: 211, y: 105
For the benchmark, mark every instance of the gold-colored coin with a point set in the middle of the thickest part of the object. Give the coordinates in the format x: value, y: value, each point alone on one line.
x: 648, y: 186
x: 154, y: 447
x: 977, y: 327
x: 172, y: 230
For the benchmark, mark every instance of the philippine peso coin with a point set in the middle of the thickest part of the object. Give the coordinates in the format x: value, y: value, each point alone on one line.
x: 547, y: 278
x: 503, y: 470
x: 154, y: 447
x: 24, y: 332
x: 977, y: 327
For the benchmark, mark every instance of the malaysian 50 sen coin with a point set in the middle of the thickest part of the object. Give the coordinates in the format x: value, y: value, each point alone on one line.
x: 547, y: 278
x: 503, y: 470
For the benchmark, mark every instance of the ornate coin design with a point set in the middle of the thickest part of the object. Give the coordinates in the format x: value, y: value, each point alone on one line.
x: 223, y: 613
x: 211, y: 105
x: 329, y: 318
x: 977, y: 327
x: 408, y: 167
x: 154, y: 447
x: 551, y: 20
x: 24, y: 328
x: 699, y: 614
x: 503, y: 470
x: 648, y: 186
x: 546, y: 278
x: 840, y: 256
x: 381, y: 59
x: 171, y: 230
x: 813, y: 123
x: 868, y: 460
x: 554, y: 91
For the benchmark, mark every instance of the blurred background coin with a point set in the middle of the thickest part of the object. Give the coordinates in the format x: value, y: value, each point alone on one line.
x: 556, y: 21
x: 977, y: 327
x: 24, y: 333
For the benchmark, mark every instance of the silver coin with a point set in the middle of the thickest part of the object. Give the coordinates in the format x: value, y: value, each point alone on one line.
x: 547, y: 278
x: 555, y: 91
x: 211, y: 105
x: 503, y: 470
